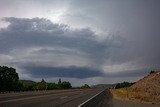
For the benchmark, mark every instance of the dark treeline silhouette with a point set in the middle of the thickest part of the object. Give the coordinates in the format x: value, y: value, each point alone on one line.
x: 9, y: 81
x: 49, y: 86
x: 123, y: 84
x: 152, y: 72
x: 85, y: 86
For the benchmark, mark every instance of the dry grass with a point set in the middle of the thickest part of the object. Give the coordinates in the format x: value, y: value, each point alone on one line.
x: 126, y: 94
x: 146, y: 89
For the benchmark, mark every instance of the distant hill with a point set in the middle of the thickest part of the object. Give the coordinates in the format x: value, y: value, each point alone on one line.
x: 27, y: 82
x: 146, y: 89
x: 104, y: 86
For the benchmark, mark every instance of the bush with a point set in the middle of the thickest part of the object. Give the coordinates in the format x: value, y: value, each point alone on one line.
x: 51, y: 86
x: 65, y: 85
x: 152, y: 72
x: 85, y: 86
x: 124, y: 84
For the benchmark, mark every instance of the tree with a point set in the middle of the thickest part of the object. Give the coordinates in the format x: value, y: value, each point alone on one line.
x: 85, y: 86
x: 9, y: 81
x: 59, y: 81
x: 51, y: 86
x: 123, y: 84
x: 65, y: 85
x: 43, y: 81
x: 40, y: 85
x: 152, y: 72
x: 8, y: 78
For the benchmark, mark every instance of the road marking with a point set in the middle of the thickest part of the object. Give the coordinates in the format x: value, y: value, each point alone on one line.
x: 91, y: 98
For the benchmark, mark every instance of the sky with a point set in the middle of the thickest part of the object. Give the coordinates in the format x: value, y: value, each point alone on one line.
x: 81, y: 41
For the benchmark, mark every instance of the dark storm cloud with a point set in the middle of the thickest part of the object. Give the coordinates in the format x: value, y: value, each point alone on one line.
x: 136, y: 20
x: 136, y: 44
x: 51, y: 39
x: 28, y: 32
x: 80, y: 72
x: 34, y: 24
x: 23, y: 33
x: 71, y: 72
x: 114, y: 38
x: 42, y: 32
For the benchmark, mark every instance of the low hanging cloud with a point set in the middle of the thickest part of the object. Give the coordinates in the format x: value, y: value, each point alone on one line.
x: 43, y: 43
x: 70, y: 72
x: 24, y: 33
x: 40, y: 47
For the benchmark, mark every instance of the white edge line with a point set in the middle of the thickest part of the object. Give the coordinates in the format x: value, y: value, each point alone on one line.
x: 91, y: 98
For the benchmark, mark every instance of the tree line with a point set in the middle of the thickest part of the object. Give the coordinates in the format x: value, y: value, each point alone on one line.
x: 9, y: 81
x: 123, y: 85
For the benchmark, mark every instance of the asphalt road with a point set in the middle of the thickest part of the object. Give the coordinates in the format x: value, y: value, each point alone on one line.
x: 65, y: 98
x: 54, y: 98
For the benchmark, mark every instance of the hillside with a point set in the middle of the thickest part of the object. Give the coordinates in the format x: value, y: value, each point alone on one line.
x: 146, y: 89
x: 149, y: 84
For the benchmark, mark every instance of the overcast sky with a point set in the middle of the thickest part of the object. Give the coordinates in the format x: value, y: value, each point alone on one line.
x: 81, y: 41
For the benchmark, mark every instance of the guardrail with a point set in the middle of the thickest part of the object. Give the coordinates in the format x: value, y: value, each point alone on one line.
x: 99, y: 100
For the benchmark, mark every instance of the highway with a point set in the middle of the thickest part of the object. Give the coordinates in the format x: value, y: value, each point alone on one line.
x: 66, y: 98
x: 52, y: 98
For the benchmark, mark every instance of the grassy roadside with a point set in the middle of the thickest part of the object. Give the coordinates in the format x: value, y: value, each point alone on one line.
x: 126, y: 94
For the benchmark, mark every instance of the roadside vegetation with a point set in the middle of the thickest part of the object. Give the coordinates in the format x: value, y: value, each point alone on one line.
x: 123, y: 85
x: 85, y: 86
x: 9, y: 81
x: 125, y: 93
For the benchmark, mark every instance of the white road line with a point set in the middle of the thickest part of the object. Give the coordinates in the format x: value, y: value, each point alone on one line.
x: 90, y: 98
